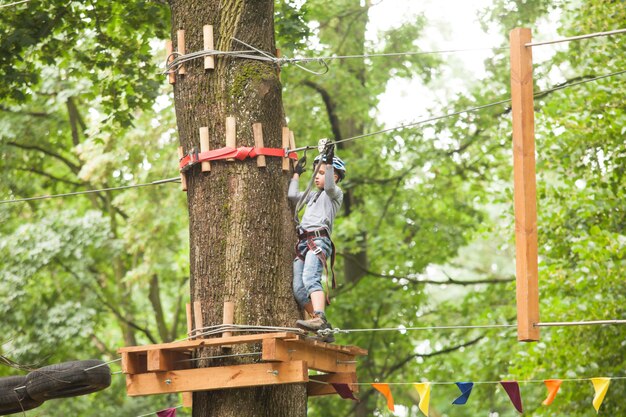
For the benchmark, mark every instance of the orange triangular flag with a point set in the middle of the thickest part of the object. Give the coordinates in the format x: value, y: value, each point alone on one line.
x: 553, y: 386
x: 386, y: 391
x: 601, y: 386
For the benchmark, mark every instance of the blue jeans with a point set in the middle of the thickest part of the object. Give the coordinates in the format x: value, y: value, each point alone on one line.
x: 307, y: 274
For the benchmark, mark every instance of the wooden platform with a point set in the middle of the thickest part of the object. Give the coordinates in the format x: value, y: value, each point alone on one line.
x: 286, y: 358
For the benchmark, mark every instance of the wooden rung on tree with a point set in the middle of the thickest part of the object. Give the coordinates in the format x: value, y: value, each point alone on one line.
x: 286, y: 358
x: 180, y: 38
x: 207, y: 32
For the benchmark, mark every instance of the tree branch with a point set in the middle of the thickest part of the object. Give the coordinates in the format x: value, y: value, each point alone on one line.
x: 330, y: 107
x: 157, y: 307
x: 415, y: 281
x: 75, y: 168
x: 50, y: 176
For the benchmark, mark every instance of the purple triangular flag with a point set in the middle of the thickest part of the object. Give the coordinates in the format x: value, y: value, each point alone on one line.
x: 466, y: 390
x: 512, y: 390
x: 170, y: 412
x: 344, y: 391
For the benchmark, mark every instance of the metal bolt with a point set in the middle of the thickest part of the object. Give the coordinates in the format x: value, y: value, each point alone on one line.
x: 274, y: 372
x: 168, y: 381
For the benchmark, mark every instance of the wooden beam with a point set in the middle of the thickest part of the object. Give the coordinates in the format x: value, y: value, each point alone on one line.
x: 187, y: 399
x: 316, y: 357
x: 180, y: 38
x: 204, y: 147
x: 167, y: 360
x: 286, y: 136
x: 323, y: 387
x: 199, y: 343
x: 134, y: 362
x: 257, y: 131
x: 206, y: 379
x: 525, y: 195
x: 207, y: 31
x: 231, y: 134
x: 197, y: 318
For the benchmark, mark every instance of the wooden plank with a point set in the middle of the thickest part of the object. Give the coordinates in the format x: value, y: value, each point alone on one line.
x: 323, y: 387
x: 169, y: 48
x: 195, y: 344
x: 257, y: 131
x: 167, y: 360
x: 183, y: 176
x: 197, y: 318
x: 206, y: 379
x: 315, y: 356
x: 286, y: 164
x: 134, y: 362
x: 525, y: 195
x: 349, y: 349
x: 204, y: 147
x: 231, y: 134
x: 207, y: 32
x: 180, y: 38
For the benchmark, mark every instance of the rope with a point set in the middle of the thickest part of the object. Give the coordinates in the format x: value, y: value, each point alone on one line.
x: 527, y: 381
x: 575, y: 38
x: 102, y: 364
x: 578, y: 323
x: 124, y: 187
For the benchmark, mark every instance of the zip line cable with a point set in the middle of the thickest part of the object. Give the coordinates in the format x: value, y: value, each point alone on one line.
x: 575, y: 38
x: 527, y: 381
x: 391, y: 129
x: 124, y: 187
x: 469, y: 110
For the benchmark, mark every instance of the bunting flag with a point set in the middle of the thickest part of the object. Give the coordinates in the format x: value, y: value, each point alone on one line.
x: 466, y: 390
x: 423, y: 389
x: 553, y: 386
x: 512, y: 390
x: 386, y: 391
x: 344, y: 391
x: 170, y: 412
x: 601, y: 386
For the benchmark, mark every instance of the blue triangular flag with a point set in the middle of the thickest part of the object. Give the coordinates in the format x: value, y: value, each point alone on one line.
x: 466, y: 390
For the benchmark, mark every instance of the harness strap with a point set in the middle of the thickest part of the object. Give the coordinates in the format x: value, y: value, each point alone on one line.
x: 310, y: 243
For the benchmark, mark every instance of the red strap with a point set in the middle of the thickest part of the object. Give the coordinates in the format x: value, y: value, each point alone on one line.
x: 240, y: 153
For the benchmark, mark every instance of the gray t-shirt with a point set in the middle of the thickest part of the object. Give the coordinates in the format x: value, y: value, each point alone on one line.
x: 322, y: 206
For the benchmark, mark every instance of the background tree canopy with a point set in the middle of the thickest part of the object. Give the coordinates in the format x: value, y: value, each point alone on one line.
x: 426, y: 233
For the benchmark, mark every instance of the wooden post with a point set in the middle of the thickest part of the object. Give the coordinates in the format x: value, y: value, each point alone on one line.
x: 169, y: 48
x: 180, y: 38
x: 207, y: 31
x: 204, y: 146
x: 286, y: 136
x: 292, y: 145
x: 278, y: 56
x: 231, y: 134
x: 524, y: 185
x: 197, y: 318
x: 183, y: 176
x: 187, y: 399
x: 257, y: 131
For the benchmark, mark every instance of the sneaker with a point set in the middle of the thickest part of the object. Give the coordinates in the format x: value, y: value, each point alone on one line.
x: 313, y: 325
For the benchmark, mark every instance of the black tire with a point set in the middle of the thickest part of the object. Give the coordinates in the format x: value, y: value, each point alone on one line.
x: 68, y: 379
x: 14, y: 400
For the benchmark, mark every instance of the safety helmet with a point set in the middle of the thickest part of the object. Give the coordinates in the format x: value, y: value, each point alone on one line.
x: 338, y: 165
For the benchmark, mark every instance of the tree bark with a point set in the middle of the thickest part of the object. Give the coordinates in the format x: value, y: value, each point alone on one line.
x: 241, y: 230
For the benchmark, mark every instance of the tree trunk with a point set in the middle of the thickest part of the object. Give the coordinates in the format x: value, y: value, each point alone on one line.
x: 241, y: 230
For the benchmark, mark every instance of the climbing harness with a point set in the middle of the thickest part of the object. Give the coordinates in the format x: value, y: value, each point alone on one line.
x: 310, y: 236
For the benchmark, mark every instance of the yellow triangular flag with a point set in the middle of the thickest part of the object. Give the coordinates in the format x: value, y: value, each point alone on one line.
x: 601, y: 386
x: 423, y: 389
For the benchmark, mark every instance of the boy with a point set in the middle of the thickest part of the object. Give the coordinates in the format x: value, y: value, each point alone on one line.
x: 314, y: 244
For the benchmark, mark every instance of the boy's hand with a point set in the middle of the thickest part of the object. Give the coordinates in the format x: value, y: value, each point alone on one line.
x: 329, y: 154
x: 299, y: 168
